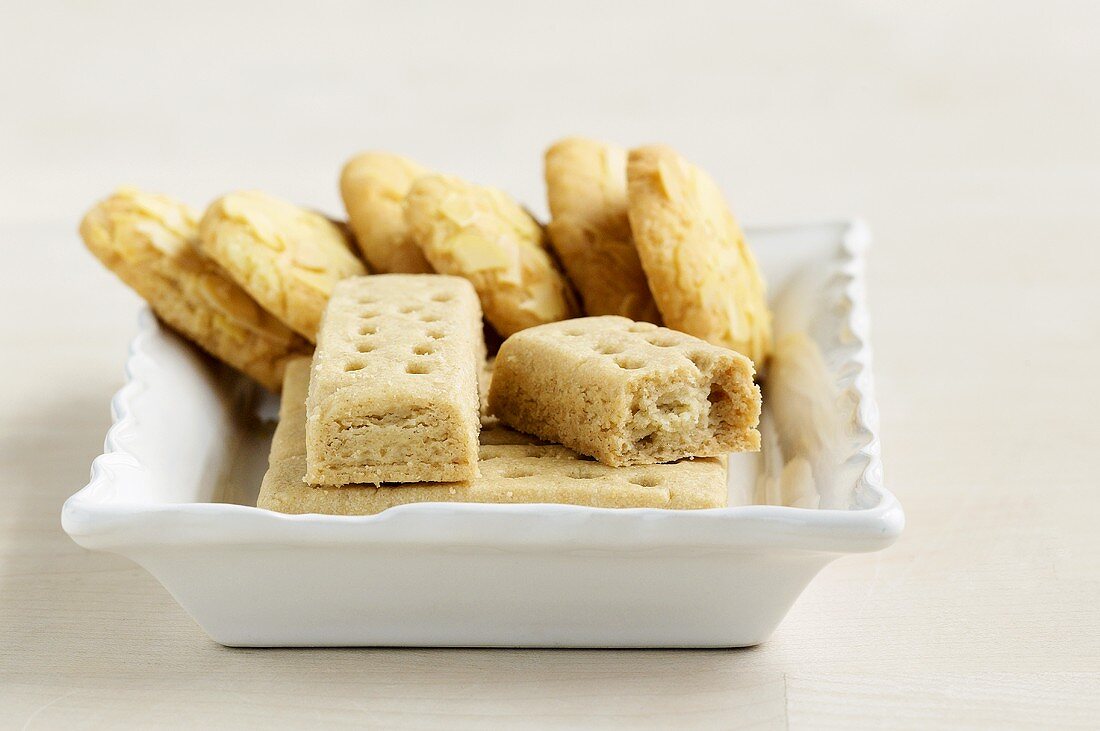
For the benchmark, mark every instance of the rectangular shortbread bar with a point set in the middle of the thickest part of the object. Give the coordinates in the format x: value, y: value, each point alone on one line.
x: 626, y: 392
x: 514, y: 469
x: 394, y: 392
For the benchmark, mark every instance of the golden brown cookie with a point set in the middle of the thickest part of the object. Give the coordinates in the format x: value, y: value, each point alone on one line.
x: 151, y: 243
x: 699, y: 267
x: 483, y: 235
x: 286, y: 257
x: 590, y: 230
x: 373, y: 186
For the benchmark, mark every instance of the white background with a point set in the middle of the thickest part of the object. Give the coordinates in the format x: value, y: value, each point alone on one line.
x: 967, y: 134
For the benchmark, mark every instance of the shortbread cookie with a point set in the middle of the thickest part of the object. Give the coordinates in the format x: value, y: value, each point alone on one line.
x: 626, y: 392
x: 699, y: 267
x: 481, y: 234
x: 514, y: 469
x: 151, y: 243
x: 373, y: 186
x: 394, y: 392
x: 286, y: 257
x: 590, y: 231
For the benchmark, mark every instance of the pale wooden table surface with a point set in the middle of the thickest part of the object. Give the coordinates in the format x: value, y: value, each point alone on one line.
x: 967, y: 138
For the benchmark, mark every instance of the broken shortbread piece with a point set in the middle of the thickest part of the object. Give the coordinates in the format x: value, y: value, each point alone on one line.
x: 626, y: 392
x: 394, y: 392
x: 514, y: 469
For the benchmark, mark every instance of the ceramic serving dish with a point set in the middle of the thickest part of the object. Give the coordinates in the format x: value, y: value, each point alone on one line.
x: 182, y: 463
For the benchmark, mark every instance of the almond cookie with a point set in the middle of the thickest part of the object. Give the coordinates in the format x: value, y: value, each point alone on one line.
x: 151, y: 243
x: 286, y: 257
x: 626, y: 392
x: 590, y: 231
x: 373, y: 186
x: 699, y: 267
x: 514, y: 469
x: 483, y: 235
x: 394, y: 392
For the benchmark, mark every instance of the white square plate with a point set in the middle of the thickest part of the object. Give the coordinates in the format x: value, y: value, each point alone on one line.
x: 182, y: 465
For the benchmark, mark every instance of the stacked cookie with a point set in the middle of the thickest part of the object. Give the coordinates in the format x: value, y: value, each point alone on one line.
x: 511, y: 468
x: 387, y: 413
x: 394, y: 406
